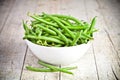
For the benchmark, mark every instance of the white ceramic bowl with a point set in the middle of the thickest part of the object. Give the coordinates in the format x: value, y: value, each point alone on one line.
x: 58, y: 55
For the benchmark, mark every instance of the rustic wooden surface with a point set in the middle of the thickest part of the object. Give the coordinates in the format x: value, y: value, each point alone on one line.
x: 102, y: 60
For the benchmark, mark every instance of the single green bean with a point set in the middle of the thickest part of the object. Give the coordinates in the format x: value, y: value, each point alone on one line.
x: 25, y: 27
x: 76, y: 27
x: 57, y: 37
x: 39, y: 69
x: 68, y: 17
x: 55, y: 68
x: 92, y: 24
x: 43, y: 38
x: 64, y: 22
x: 46, y: 29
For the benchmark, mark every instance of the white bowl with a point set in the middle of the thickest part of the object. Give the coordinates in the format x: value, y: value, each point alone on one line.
x: 59, y: 55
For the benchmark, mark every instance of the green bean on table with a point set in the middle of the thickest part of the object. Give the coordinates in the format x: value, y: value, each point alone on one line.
x: 55, y: 68
x: 47, y: 69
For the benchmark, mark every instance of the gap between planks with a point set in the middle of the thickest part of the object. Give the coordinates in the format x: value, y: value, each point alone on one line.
x: 23, y: 62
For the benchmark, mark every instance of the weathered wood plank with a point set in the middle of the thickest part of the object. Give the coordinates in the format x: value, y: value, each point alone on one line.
x: 110, y: 9
x: 12, y: 47
x: 5, y: 8
x: 110, y: 13
x: 105, y: 53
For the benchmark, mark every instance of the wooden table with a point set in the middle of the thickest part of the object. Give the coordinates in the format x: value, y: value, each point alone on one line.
x: 102, y: 60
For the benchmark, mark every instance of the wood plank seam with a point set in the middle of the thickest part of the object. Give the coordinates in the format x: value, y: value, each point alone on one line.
x: 114, y: 73
x: 23, y: 63
x: 111, y: 41
x: 11, y: 7
x: 59, y: 78
x: 44, y: 77
x: 95, y: 62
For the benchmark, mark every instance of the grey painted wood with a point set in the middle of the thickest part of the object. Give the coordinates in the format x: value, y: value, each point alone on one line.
x: 5, y: 8
x: 107, y: 58
x: 12, y: 46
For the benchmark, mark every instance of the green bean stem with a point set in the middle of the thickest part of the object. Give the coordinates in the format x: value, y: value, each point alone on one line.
x: 44, y: 38
x: 46, y: 29
x: 39, y: 69
x: 25, y: 27
x: 92, y: 23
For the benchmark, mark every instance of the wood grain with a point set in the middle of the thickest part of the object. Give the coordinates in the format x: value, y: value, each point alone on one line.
x: 5, y: 8
x: 105, y: 53
x: 12, y: 46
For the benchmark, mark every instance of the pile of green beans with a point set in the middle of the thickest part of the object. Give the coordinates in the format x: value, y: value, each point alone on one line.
x: 50, y: 68
x: 58, y: 30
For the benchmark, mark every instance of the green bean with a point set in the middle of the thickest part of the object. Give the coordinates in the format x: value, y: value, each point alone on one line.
x: 92, y: 24
x: 54, y: 67
x: 47, y: 69
x: 39, y: 69
x: 61, y: 25
x: 25, y: 27
x: 68, y: 17
x: 65, y: 22
x: 44, y: 38
x: 76, y: 38
x: 31, y: 32
x: 46, y: 29
x: 76, y: 27
x: 69, y: 68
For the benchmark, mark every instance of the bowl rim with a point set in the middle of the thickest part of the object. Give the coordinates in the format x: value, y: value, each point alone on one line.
x: 89, y: 42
